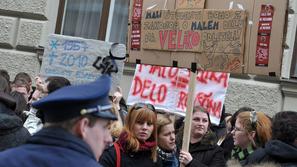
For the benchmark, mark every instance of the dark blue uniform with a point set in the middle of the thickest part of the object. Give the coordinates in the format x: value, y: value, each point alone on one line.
x: 51, y: 147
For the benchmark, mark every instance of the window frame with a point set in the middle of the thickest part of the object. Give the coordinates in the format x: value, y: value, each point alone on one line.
x: 103, y: 21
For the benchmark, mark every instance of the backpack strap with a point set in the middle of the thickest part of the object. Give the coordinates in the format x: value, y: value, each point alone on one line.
x: 118, y: 154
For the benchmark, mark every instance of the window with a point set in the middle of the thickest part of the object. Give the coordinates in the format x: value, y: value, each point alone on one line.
x: 94, y: 19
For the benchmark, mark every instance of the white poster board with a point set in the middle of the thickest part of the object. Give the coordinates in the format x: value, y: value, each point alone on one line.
x: 73, y: 58
x: 167, y: 89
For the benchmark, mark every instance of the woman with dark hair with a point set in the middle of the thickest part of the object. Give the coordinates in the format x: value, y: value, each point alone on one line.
x: 203, y: 150
x: 282, y: 149
x: 21, y: 105
x: 167, y: 151
x: 12, y: 132
x: 4, y: 85
x: 137, y: 143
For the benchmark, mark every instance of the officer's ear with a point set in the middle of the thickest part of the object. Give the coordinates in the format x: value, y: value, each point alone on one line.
x: 81, y: 127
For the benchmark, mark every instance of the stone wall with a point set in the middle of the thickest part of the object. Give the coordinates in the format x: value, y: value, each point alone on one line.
x: 24, y: 25
x: 262, y: 96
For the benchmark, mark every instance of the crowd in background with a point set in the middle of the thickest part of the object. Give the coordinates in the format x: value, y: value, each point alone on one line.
x: 143, y: 136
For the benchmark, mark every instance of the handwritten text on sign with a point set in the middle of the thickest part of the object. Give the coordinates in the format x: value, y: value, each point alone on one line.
x: 73, y: 58
x: 167, y: 88
x: 194, y: 30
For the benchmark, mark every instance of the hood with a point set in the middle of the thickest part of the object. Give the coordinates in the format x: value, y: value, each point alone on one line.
x: 7, y: 100
x: 12, y: 132
x: 279, y: 149
x: 9, y: 123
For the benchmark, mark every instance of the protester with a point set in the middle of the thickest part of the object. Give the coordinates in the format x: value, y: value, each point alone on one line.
x: 167, y: 151
x: 220, y: 130
x: 5, y: 74
x: 22, y: 86
x: 282, y: 149
x: 12, y: 132
x: 252, y: 130
x: 21, y: 105
x: 4, y: 85
x: 35, y: 118
x: 120, y: 103
x: 137, y: 144
x: 225, y: 141
x: 228, y: 143
x: 75, y: 132
x: 240, y: 110
x: 117, y: 126
x: 228, y: 122
x: 203, y: 150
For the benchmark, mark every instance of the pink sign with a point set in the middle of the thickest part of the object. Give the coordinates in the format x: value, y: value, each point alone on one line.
x: 167, y: 89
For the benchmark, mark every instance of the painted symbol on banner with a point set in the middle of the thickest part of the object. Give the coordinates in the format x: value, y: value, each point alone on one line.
x: 53, y: 44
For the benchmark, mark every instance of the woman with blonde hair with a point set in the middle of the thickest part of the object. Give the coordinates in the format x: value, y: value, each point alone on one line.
x: 137, y: 143
x: 167, y: 152
x: 252, y: 130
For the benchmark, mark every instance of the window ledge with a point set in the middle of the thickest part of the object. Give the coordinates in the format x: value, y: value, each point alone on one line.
x: 289, y: 86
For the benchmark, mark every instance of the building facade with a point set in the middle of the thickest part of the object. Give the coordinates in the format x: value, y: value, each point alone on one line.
x: 25, y: 25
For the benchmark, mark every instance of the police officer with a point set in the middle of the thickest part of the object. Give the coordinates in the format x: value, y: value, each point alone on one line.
x: 75, y: 131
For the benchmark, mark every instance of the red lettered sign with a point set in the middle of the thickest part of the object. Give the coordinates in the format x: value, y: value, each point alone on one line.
x: 136, y: 25
x: 167, y: 89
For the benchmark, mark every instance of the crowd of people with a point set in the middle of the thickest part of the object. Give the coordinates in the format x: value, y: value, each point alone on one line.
x: 54, y: 123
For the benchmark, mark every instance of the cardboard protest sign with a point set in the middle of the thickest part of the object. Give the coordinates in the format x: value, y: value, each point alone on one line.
x: 225, y: 31
x: 187, y: 37
x: 186, y: 4
x: 167, y: 88
x: 221, y: 62
x: 158, y: 29
x: 73, y: 58
x: 219, y: 31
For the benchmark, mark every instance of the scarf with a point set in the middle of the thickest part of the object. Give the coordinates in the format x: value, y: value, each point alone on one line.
x: 144, y: 146
x: 169, y: 159
x: 242, y: 154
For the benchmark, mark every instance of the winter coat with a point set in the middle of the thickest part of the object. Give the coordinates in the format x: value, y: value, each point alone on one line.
x: 275, y: 151
x: 12, y: 132
x: 50, y: 147
x: 205, y: 153
x: 128, y: 159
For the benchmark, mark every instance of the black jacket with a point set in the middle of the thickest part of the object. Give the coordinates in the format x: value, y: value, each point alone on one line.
x: 128, y: 159
x: 205, y: 155
x: 12, y: 132
x: 275, y: 151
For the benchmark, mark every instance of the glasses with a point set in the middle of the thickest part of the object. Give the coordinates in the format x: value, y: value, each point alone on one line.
x: 236, y: 129
x: 143, y: 105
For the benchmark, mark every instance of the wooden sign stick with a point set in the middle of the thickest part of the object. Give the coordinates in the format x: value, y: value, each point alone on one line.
x: 189, y: 111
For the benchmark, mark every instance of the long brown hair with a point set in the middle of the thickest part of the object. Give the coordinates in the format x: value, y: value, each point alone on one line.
x: 140, y: 115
